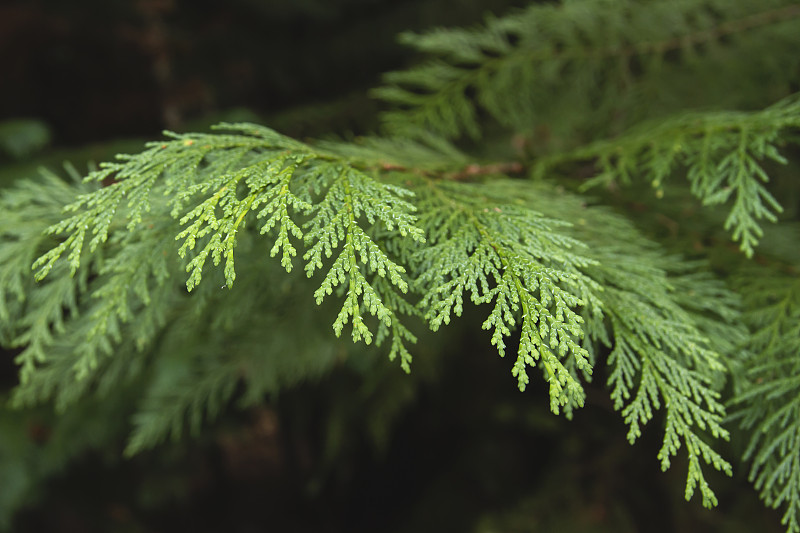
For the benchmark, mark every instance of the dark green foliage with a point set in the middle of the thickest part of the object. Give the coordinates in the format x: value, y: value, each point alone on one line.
x: 723, y: 155
x: 23, y: 137
x: 594, y: 67
x: 768, y: 405
x: 177, y: 273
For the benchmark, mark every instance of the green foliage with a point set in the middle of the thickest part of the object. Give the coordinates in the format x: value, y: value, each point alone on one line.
x: 519, y: 260
x: 662, y: 351
x: 171, y: 275
x: 769, y: 406
x: 723, y: 155
x: 22, y: 137
x: 583, y: 67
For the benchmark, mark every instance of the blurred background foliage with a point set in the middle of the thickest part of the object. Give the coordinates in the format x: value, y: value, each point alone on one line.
x: 448, y: 448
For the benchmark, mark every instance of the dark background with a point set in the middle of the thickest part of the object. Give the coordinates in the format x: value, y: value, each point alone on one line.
x: 100, y: 69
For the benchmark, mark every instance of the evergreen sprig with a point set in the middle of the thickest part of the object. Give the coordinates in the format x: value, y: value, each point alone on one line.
x: 660, y: 357
x: 232, y: 179
x: 516, y: 259
x: 768, y: 407
x: 158, y: 275
x: 723, y: 154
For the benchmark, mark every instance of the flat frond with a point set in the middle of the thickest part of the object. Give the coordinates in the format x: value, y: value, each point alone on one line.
x: 217, y: 184
x: 662, y: 356
x: 517, y: 261
x: 584, y: 65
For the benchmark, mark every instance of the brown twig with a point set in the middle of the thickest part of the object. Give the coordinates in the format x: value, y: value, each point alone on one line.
x: 472, y: 170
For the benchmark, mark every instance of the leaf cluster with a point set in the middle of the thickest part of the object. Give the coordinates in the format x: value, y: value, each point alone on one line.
x: 173, y: 273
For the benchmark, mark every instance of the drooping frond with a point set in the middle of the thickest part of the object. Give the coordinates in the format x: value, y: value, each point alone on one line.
x: 723, y: 155
x: 216, y: 184
x: 769, y: 406
x: 31, y: 315
x: 518, y: 261
x: 662, y: 356
x: 563, y: 290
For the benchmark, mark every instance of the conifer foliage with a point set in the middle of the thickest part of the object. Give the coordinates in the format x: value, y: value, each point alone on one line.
x: 161, y: 271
